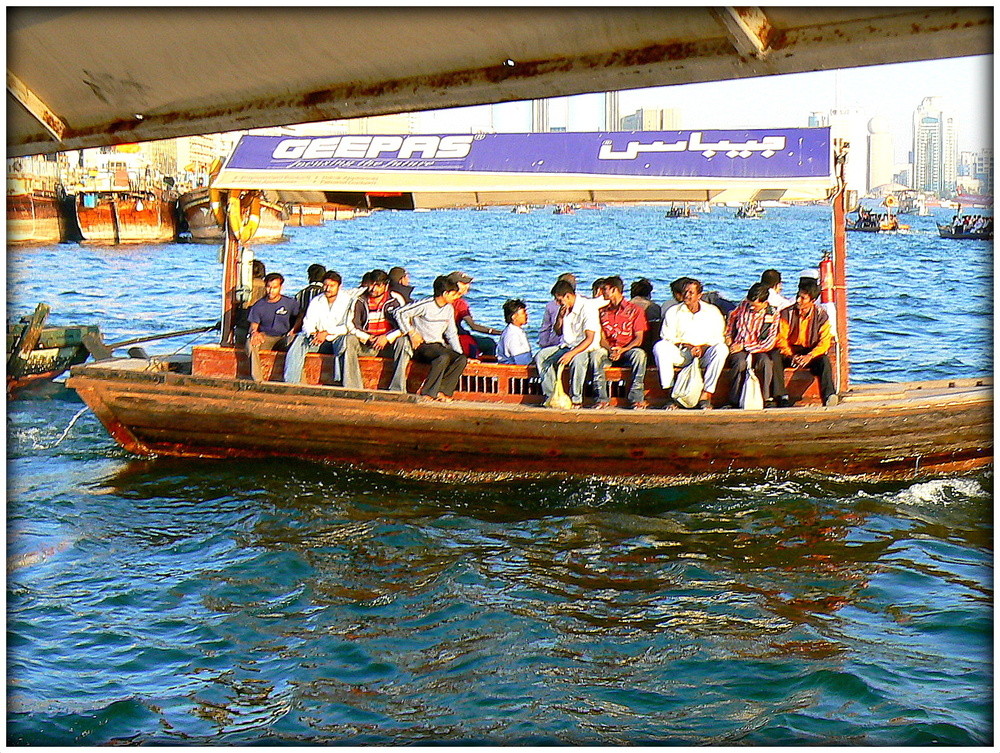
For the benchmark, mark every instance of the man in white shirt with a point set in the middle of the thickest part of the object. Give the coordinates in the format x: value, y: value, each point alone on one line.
x: 513, y: 346
x: 578, y: 324
x: 323, y: 328
x: 692, y: 330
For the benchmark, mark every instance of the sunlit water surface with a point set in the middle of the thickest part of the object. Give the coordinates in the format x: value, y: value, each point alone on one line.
x: 183, y: 602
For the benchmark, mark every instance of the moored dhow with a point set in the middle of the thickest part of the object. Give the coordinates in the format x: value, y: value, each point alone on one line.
x: 125, y: 215
x: 205, y: 227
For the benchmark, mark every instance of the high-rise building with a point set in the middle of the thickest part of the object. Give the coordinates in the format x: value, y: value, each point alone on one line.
x: 539, y: 116
x: 935, y: 153
x: 651, y: 119
x: 983, y: 170
x: 612, y: 117
x: 880, y: 156
x: 849, y: 124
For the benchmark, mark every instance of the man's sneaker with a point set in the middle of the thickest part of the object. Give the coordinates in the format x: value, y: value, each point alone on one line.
x: 704, y: 405
x: 832, y: 401
x: 782, y: 402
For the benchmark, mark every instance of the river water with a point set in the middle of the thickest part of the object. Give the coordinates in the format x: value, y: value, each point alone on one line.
x: 283, y: 602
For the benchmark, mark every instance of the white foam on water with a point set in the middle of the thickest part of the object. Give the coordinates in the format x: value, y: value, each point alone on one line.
x: 943, y: 491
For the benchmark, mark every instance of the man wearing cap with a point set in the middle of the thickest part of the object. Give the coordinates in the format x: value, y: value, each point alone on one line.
x: 472, y: 345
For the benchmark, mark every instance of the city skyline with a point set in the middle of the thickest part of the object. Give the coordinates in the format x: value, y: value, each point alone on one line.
x: 891, y: 92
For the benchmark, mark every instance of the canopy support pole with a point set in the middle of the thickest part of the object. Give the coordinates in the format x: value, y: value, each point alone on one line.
x: 840, y: 264
x: 230, y: 284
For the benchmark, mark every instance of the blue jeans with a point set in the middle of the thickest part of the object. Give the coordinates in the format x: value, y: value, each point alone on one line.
x: 547, y: 363
x: 635, y: 360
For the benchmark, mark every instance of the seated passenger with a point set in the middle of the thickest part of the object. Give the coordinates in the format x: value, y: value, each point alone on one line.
x: 241, y: 324
x: 751, y: 331
x: 430, y: 328
x: 579, y: 327
x: 513, y: 346
x: 641, y: 294
x: 547, y: 336
x: 324, y: 327
x: 772, y: 278
x: 473, y: 345
x: 692, y: 330
x: 315, y: 274
x: 399, y: 282
x: 804, y: 340
x: 371, y: 327
x: 272, y: 322
x: 623, y: 327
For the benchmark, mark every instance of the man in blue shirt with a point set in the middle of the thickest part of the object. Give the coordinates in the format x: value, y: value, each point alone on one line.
x: 273, y: 323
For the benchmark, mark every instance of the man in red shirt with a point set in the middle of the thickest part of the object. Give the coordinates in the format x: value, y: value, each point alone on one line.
x: 623, y: 326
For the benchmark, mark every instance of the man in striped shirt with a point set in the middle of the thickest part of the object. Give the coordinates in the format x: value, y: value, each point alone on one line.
x: 751, y: 331
x: 371, y: 327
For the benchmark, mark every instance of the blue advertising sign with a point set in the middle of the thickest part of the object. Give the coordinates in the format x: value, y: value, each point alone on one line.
x: 772, y: 153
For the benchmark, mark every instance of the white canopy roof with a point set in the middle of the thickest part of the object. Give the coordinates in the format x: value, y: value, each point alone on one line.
x: 96, y: 76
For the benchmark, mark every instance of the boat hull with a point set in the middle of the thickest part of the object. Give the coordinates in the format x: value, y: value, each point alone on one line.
x: 163, y: 413
x: 57, y: 349
x: 114, y: 217
x: 196, y: 208
x: 34, y: 218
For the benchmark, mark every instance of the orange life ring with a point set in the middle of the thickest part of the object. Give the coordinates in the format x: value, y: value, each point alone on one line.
x: 216, y: 200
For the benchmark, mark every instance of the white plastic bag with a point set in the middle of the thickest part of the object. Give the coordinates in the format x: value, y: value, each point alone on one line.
x: 559, y: 398
x: 751, y: 397
x: 689, y: 385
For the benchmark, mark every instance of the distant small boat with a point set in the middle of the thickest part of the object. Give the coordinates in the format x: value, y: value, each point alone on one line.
x: 683, y: 212
x: 520, y: 209
x: 950, y: 231
x: 866, y: 222
x: 564, y: 209
x: 751, y: 210
x: 305, y: 215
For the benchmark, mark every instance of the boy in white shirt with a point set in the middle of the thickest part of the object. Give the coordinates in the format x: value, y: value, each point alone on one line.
x: 579, y: 325
x: 513, y: 346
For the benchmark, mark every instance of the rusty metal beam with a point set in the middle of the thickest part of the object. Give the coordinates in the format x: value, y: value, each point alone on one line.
x: 749, y: 30
x: 33, y: 104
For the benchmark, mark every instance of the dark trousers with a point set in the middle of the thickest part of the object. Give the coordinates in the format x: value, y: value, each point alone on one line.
x: 446, y: 368
x: 819, y: 366
x: 763, y: 364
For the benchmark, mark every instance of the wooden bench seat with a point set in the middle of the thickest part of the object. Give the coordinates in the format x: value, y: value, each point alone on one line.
x: 491, y: 382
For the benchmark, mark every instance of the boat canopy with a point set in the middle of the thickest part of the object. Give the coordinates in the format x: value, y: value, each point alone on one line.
x: 98, y: 76
x: 447, y: 169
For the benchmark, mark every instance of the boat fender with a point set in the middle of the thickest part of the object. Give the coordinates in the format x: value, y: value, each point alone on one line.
x: 244, y: 214
x: 216, y: 200
x: 826, y: 278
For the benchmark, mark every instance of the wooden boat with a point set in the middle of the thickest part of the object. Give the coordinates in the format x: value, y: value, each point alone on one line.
x: 34, y: 216
x: 949, y: 231
x: 877, y: 223
x: 493, y: 428
x: 36, y: 353
x: 114, y: 216
x: 682, y: 212
x: 564, y: 209
x: 196, y: 208
x: 751, y: 210
x: 305, y: 215
x: 903, y: 429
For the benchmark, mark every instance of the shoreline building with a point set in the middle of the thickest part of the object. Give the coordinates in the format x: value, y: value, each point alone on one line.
x: 935, y: 153
x: 652, y: 119
x: 539, y: 116
x: 612, y: 115
x: 880, y: 154
x: 847, y: 123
